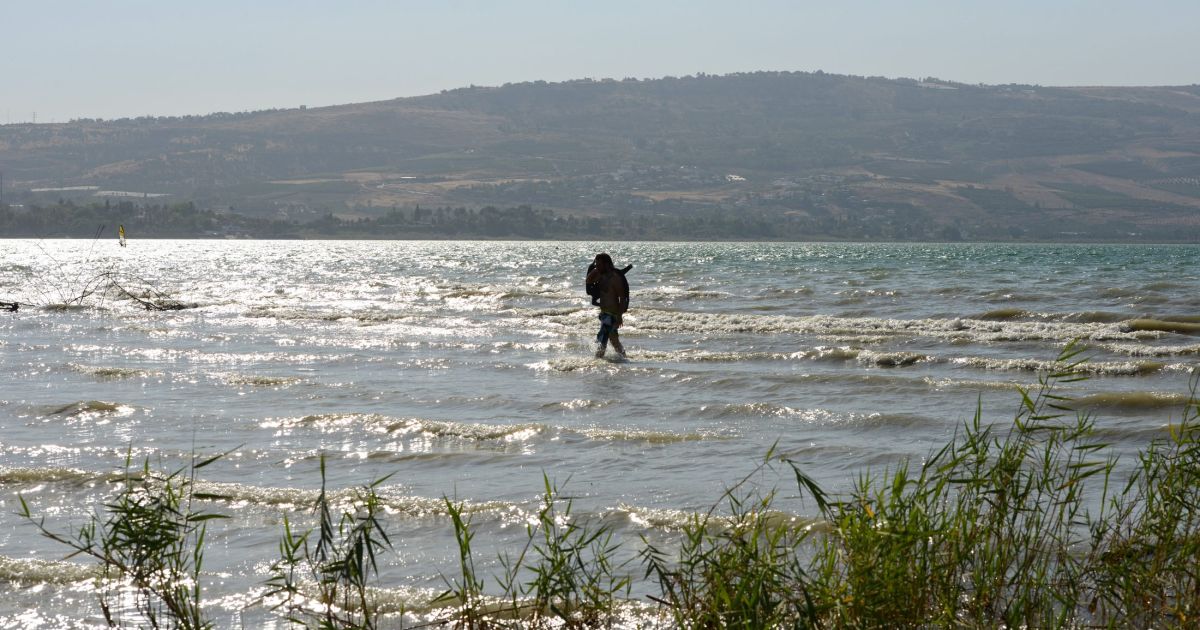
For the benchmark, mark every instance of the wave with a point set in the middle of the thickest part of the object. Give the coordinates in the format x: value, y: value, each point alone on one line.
x: 1134, y: 349
x: 975, y: 330
x: 578, y: 363
x: 856, y: 294
x: 674, y: 519
x: 90, y: 409
x: 538, y: 346
x: 111, y: 372
x: 1130, y: 401
x: 638, y: 435
x: 1139, y: 435
x: 1107, y: 368
x: 301, y: 314
x: 522, y: 292
x: 576, y: 405
x: 864, y: 340
x: 1120, y: 293
x: 34, y: 571
x: 1083, y: 317
x: 467, y: 430
x: 548, y: 312
x: 789, y: 292
x: 786, y: 383
x: 952, y: 383
x: 897, y: 359
x: 210, y: 358
x: 71, y: 308
x: 806, y: 416
x: 1088, y: 317
x: 1164, y: 285
x: 412, y: 426
x: 256, y: 380
x: 69, y: 476
x: 707, y: 356
x: 1161, y: 325
x: 239, y: 494
x: 890, y: 359
x: 1180, y: 318
x: 1004, y: 313
x: 1005, y: 295
x: 481, y: 432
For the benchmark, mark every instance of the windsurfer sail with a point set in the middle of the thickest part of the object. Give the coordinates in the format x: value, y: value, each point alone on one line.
x: 121, y: 234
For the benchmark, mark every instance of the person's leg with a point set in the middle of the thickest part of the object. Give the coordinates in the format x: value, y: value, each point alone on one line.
x: 606, y: 330
x: 615, y: 338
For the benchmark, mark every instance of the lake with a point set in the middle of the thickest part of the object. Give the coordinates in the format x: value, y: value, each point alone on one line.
x: 465, y: 370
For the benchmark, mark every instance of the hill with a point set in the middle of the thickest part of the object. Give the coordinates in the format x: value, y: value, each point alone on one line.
x: 768, y: 154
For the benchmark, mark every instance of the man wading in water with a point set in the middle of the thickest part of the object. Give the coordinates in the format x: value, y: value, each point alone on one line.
x: 609, y: 287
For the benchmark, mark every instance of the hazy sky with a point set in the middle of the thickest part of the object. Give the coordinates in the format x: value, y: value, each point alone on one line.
x: 71, y: 59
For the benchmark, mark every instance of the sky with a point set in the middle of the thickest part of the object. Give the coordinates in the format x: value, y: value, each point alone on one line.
x: 67, y: 59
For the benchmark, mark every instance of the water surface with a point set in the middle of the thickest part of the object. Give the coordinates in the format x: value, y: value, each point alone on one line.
x: 464, y: 370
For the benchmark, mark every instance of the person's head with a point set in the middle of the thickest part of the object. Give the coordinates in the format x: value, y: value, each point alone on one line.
x: 604, y: 262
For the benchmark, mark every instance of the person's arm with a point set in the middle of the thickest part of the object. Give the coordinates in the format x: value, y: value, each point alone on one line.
x: 623, y: 295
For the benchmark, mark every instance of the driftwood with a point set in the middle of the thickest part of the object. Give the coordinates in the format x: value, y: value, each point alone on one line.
x: 10, y: 306
x: 107, y: 285
x: 66, y: 289
x: 150, y: 299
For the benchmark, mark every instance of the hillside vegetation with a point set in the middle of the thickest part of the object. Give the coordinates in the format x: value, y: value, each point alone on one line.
x: 761, y: 155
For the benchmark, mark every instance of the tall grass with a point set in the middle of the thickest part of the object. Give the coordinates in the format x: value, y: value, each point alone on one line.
x: 741, y: 570
x: 1145, y: 552
x: 1019, y: 527
x: 150, y: 543
x: 340, y: 564
x: 563, y: 576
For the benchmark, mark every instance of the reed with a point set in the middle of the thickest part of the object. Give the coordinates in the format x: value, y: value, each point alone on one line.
x: 150, y: 543
x: 983, y: 532
x: 1144, y: 559
x: 466, y: 592
x: 564, y: 576
x: 1019, y: 528
x: 742, y: 570
x: 340, y: 564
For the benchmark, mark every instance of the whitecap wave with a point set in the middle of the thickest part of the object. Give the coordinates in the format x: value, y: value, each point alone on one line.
x: 975, y: 330
x: 1107, y: 368
x: 34, y: 571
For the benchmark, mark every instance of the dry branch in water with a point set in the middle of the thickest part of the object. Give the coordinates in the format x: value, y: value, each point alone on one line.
x: 150, y: 298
